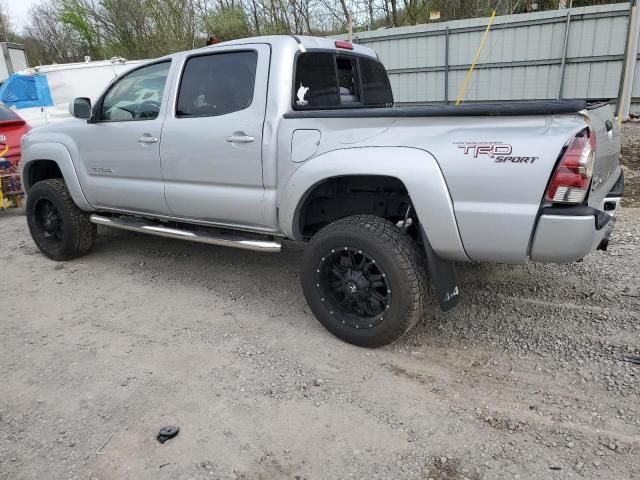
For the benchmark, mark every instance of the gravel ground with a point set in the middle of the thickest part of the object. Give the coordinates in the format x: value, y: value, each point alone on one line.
x: 631, y: 163
x: 531, y: 376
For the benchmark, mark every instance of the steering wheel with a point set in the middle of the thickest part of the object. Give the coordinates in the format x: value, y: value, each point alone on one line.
x: 149, y: 109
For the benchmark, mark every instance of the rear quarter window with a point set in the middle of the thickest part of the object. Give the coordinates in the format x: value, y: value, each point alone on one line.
x: 328, y: 80
x: 316, y: 84
x: 376, y: 89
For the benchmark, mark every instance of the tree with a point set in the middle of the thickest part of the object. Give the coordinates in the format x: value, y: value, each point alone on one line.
x: 228, y: 23
x: 75, y: 15
x: 67, y: 30
x: 7, y: 34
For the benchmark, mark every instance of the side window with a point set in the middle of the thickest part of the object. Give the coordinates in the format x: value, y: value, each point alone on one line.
x: 137, y: 95
x: 316, y: 85
x: 376, y: 89
x: 217, y: 84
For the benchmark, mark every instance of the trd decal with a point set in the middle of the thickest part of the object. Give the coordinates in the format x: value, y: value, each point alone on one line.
x: 500, y: 152
x: 491, y: 149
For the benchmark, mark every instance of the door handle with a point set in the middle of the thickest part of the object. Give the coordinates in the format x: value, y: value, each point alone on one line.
x: 147, y: 139
x: 240, y: 139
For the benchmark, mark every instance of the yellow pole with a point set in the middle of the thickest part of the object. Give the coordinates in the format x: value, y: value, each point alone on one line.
x: 463, y: 89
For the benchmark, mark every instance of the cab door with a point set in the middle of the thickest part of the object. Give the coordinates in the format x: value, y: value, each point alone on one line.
x: 119, y: 149
x: 211, y: 146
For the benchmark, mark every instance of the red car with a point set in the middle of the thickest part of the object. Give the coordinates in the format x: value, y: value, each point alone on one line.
x: 12, y: 128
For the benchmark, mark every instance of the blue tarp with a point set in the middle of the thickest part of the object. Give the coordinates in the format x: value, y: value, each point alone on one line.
x: 26, y: 91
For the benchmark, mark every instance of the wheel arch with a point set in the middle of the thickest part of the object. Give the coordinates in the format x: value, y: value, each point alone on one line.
x: 415, y: 170
x: 374, y: 192
x: 47, y: 160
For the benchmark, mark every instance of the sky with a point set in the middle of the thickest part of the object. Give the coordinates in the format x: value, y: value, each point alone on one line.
x: 18, y: 11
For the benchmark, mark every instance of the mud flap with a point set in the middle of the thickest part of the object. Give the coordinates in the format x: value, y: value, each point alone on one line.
x: 443, y: 276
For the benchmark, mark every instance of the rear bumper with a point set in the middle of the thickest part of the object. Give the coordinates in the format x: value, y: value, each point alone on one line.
x: 567, y: 234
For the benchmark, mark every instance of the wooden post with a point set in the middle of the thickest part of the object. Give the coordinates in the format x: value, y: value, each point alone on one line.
x: 624, y: 101
x: 563, y: 65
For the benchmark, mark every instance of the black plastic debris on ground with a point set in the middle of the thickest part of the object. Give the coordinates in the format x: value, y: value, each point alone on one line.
x: 167, y: 433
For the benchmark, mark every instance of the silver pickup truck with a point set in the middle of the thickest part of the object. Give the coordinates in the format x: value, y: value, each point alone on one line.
x: 253, y: 141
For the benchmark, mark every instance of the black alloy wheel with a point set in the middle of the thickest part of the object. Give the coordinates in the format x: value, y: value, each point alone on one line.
x: 354, y: 287
x: 48, y: 222
x: 58, y: 227
x: 364, y: 280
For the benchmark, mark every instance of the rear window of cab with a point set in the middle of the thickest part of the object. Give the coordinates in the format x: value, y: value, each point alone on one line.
x: 328, y: 80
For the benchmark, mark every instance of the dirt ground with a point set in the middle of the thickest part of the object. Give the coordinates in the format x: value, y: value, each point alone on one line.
x: 532, y: 376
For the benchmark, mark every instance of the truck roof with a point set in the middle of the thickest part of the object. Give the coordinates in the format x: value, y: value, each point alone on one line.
x: 276, y: 41
x: 305, y: 41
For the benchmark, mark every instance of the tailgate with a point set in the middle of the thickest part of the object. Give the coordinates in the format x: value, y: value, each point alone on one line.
x: 607, y: 167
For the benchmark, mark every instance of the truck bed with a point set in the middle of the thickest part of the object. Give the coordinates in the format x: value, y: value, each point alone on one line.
x: 496, y: 200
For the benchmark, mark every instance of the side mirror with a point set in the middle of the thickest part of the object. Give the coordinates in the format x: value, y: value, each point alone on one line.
x: 80, y: 108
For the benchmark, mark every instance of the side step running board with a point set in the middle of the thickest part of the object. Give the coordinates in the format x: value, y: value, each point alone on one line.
x: 217, y: 238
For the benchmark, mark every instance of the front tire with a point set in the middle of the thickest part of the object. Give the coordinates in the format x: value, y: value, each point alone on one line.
x: 364, y: 280
x: 58, y: 227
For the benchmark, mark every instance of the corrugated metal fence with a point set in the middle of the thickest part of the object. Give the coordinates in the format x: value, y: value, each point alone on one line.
x: 524, y: 56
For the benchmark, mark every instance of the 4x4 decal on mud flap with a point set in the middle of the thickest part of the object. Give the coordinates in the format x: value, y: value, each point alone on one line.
x: 500, y: 152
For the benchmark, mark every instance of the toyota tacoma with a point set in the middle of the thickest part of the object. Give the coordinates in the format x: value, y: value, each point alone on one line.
x: 253, y: 141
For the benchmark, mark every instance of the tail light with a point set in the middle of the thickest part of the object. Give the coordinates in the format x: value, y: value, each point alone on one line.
x: 571, y: 180
x: 12, y: 123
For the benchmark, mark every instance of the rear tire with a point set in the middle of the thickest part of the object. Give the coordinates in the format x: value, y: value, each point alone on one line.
x: 364, y: 280
x: 58, y: 227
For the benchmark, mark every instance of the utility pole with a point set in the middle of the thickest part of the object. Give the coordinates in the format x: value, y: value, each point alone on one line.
x: 350, y: 21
